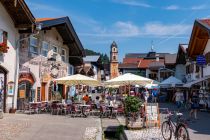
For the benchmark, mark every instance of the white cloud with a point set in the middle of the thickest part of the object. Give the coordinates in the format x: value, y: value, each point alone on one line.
x: 42, y: 7
x: 165, y: 30
x: 126, y: 28
x: 129, y: 30
x: 132, y: 3
x: 199, y: 7
x: 172, y: 7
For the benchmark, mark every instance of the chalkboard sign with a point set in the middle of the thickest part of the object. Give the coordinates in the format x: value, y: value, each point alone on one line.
x: 38, y: 94
x: 152, y: 114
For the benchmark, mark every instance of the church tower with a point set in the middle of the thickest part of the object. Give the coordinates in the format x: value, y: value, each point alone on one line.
x: 114, y: 61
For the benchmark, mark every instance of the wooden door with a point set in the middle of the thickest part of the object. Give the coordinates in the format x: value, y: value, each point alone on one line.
x: 43, y: 92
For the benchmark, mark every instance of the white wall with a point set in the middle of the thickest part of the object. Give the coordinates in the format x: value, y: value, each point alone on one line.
x: 53, y: 38
x: 95, y: 70
x: 130, y: 71
x: 180, y: 72
x: 8, y: 59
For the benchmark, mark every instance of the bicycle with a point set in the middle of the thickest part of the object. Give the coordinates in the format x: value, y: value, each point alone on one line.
x: 179, y: 129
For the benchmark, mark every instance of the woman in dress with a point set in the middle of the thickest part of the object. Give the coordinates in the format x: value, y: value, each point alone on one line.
x: 194, y: 105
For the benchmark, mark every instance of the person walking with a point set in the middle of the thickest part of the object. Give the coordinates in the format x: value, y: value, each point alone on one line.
x: 154, y: 95
x: 146, y: 95
x: 194, y: 105
x: 178, y: 98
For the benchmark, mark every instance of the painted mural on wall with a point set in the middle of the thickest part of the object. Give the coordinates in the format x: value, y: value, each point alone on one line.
x: 56, y: 69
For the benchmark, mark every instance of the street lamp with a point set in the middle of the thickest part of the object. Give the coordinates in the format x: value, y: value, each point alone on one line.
x: 38, y: 28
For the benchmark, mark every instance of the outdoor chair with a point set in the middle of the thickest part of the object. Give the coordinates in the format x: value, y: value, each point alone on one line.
x: 95, y: 110
x: 27, y: 108
x: 75, y: 111
x: 104, y: 111
x: 44, y: 107
x: 120, y: 110
x: 55, y: 109
x: 88, y: 110
x: 67, y: 109
x: 35, y: 108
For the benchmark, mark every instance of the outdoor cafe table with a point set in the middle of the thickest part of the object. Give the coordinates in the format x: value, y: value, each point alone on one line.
x: 83, y: 107
x: 111, y: 109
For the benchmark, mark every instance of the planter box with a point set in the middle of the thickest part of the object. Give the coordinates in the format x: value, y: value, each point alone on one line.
x: 12, y: 110
x: 137, y: 124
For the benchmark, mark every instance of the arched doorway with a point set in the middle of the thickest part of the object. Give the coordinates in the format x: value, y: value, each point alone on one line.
x: 25, y: 92
x: 3, y: 82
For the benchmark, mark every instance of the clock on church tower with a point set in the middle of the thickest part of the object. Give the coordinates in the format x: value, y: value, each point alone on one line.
x: 114, y: 61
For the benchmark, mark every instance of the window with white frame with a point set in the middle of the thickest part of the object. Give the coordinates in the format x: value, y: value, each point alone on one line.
x: 63, y: 55
x: 45, y: 48
x: 33, y: 45
x: 71, y: 70
x: 55, y: 49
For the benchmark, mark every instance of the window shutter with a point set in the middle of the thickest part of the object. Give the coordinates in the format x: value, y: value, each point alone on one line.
x: 207, y: 58
x: 5, y: 37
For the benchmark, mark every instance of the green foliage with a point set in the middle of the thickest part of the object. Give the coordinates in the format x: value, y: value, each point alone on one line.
x: 132, y: 104
x: 120, y: 130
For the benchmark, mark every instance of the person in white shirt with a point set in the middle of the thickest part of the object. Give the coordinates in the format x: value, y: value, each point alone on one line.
x: 179, y: 97
x: 146, y: 95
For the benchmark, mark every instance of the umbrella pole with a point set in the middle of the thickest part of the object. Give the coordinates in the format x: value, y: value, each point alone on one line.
x: 129, y: 87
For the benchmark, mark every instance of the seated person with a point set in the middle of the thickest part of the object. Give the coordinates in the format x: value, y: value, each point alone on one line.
x: 86, y: 98
x: 97, y: 102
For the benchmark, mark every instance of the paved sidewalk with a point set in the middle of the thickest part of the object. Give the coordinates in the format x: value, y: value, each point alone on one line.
x: 198, y: 129
x: 46, y: 127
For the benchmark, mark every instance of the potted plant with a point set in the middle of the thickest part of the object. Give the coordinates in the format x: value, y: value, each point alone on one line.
x: 132, y: 111
x: 3, y: 48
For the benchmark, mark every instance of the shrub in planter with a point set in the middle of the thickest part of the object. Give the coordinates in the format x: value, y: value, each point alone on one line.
x: 132, y: 104
x: 132, y: 107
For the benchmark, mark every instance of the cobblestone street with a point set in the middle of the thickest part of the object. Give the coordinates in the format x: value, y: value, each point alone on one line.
x: 56, y: 127
x: 46, y: 127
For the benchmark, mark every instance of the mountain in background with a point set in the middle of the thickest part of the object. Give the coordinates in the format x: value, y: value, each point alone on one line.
x: 104, y: 57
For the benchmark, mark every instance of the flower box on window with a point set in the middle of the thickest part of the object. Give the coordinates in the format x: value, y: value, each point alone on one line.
x: 3, y: 48
x: 3, y: 42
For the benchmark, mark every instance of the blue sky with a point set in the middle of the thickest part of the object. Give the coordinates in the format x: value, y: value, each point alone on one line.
x: 133, y: 24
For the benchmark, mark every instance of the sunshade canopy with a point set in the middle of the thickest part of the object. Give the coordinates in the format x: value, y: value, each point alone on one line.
x: 77, y: 79
x: 129, y: 79
x: 171, y: 82
x: 188, y: 85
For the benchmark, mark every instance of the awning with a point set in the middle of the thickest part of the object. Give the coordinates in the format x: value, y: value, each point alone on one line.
x: 188, y: 85
x: 171, y: 82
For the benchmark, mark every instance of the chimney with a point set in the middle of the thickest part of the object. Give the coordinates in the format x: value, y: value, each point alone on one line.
x: 157, y: 57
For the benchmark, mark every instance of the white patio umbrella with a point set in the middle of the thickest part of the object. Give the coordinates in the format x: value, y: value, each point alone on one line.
x: 171, y: 82
x: 77, y: 79
x: 129, y: 79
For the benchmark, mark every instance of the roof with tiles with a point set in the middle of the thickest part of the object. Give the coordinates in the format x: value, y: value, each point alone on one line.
x: 170, y: 58
x: 128, y: 65
x: 144, y: 63
x: 131, y: 60
x: 143, y: 55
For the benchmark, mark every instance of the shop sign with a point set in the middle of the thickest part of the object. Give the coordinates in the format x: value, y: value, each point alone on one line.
x: 22, y: 93
x: 10, y: 88
x: 201, y: 60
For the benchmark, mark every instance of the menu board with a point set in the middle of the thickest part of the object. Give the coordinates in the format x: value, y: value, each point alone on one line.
x: 152, y: 113
x: 22, y: 93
